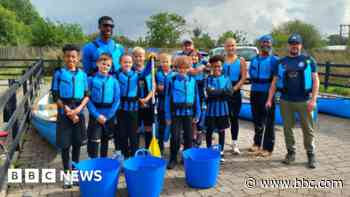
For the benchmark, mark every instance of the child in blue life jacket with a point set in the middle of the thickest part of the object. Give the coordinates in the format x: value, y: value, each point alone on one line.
x: 129, y: 104
x: 218, y: 89
x: 146, y: 91
x: 71, y: 93
x: 103, y: 105
x: 182, y: 107
x: 198, y: 71
x: 162, y: 75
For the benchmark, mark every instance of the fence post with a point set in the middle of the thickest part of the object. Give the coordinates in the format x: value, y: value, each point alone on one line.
x: 326, y: 76
x: 11, y: 105
x: 10, y: 108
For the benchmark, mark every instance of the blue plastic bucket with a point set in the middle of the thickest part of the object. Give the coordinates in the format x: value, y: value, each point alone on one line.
x: 144, y: 174
x: 202, y: 166
x: 107, y: 185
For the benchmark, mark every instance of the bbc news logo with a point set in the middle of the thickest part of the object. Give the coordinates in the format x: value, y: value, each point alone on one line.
x: 17, y: 175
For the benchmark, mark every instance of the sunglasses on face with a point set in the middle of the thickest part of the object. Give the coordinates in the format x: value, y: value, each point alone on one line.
x: 108, y: 25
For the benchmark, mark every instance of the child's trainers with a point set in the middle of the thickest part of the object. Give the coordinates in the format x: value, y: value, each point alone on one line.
x: 67, y: 181
x: 222, y: 160
x: 235, y: 149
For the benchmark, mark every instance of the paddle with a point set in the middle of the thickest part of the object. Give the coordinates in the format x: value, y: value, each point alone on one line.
x: 154, y: 146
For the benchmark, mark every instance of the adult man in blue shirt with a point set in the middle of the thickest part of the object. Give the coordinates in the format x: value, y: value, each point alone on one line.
x: 260, y: 72
x: 102, y: 44
x: 295, y: 76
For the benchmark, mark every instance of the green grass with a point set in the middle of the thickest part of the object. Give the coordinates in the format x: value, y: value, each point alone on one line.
x: 336, y: 90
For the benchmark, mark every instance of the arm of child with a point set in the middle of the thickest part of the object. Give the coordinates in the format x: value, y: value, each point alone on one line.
x: 167, y: 108
x: 116, y: 102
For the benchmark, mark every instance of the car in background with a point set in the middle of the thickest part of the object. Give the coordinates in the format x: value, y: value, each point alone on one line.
x: 247, y: 52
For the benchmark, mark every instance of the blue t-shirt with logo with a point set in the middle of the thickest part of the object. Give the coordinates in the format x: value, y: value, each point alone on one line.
x: 295, y: 86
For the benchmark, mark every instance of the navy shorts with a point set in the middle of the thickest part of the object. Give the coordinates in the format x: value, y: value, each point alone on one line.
x: 217, y: 122
x: 96, y: 131
x: 146, y: 115
x: 68, y: 133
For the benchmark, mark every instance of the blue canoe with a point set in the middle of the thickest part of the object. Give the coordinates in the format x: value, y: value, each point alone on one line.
x: 44, y: 118
x: 334, y: 106
x: 246, y: 113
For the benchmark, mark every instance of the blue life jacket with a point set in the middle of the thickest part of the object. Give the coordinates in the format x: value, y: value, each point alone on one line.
x: 260, y: 70
x: 217, y: 102
x: 233, y: 71
x: 183, y: 92
x: 304, y: 71
x: 116, y: 50
x: 102, y: 91
x: 217, y: 82
x: 71, y: 85
x: 128, y: 85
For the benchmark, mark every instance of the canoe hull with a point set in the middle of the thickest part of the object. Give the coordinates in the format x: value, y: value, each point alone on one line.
x: 334, y: 106
x: 44, y: 115
x: 47, y: 129
x: 246, y: 113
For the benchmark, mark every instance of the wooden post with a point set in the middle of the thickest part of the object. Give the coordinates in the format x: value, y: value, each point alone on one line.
x: 11, y: 105
x: 326, y: 76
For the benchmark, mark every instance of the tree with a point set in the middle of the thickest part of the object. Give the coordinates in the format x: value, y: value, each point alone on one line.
x: 165, y: 29
x: 239, y: 36
x: 125, y: 41
x: 48, y: 33
x: 279, y: 39
x: 336, y: 39
x: 12, y: 31
x: 197, y: 32
x: 204, y: 42
x: 310, y: 34
x: 24, y: 10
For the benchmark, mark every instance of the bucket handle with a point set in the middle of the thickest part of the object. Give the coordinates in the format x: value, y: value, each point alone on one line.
x: 217, y: 147
x: 142, y: 152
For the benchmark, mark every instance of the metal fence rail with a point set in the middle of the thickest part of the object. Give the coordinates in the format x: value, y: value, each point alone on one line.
x: 17, y: 114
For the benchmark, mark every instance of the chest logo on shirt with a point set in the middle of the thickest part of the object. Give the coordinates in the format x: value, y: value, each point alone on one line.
x: 301, y: 65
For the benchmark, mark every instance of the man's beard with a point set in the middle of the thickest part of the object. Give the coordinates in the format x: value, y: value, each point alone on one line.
x: 266, y: 49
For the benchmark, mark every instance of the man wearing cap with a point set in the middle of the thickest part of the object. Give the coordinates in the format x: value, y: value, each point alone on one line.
x: 187, y: 47
x: 102, y: 44
x: 260, y: 72
x: 296, y: 78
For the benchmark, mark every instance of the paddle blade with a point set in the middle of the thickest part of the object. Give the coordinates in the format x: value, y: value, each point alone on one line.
x: 154, y: 147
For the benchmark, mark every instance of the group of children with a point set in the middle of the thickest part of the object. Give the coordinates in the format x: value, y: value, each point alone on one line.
x: 187, y: 94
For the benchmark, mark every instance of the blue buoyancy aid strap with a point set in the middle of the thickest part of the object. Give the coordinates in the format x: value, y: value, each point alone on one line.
x: 308, y: 76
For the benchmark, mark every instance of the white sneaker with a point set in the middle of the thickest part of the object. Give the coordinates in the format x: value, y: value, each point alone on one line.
x: 67, y: 181
x: 222, y: 159
x: 235, y: 149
